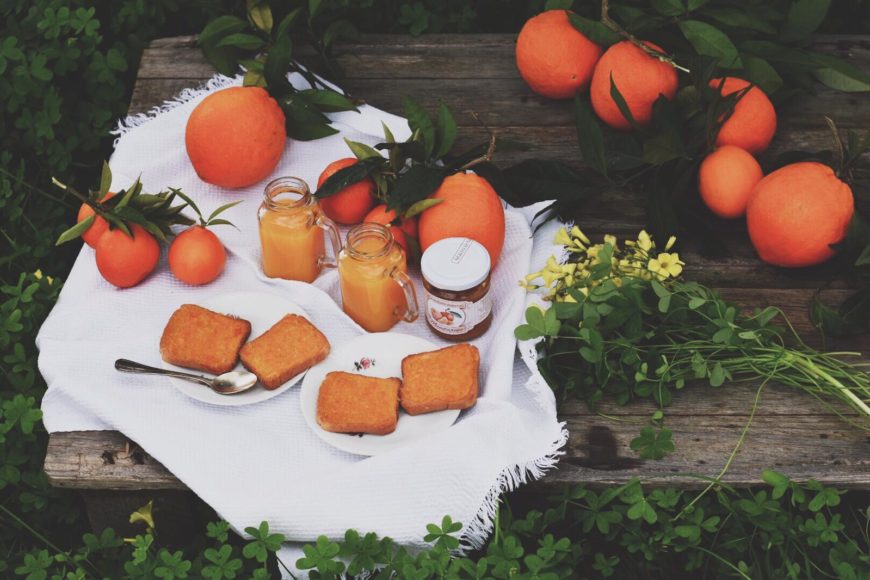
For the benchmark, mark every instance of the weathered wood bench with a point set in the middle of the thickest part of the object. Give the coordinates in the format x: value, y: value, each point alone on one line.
x: 791, y: 432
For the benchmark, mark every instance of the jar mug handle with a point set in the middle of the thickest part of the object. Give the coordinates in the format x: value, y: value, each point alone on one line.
x: 412, y: 310
x: 334, y: 236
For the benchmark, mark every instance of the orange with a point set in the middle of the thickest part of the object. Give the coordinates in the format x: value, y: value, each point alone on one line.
x: 197, y: 256
x: 753, y: 121
x: 726, y: 179
x: 236, y: 136
x: 99, y: 225
x: 797, y: 212
x: 555, y: 59
x: 471, y: 209
x: 640, y: 79
x: 125, y: 261
x: 350, y: 205
x: 407, y: 227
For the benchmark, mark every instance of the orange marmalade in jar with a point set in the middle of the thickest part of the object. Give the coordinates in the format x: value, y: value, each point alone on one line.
x: 456, y: 276
x: 292, y: 228
x: 373, y: 273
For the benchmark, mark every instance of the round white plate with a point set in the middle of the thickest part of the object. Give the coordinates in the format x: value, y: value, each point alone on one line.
x: 374, y: 355
x: 262, y: 310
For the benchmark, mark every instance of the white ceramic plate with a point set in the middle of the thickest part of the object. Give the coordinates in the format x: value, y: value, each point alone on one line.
x: 374, y: 355
x: 262, y: 310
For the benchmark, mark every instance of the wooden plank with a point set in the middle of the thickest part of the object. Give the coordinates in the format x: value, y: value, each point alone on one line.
x: 103, y: 460
x: 792, y: 433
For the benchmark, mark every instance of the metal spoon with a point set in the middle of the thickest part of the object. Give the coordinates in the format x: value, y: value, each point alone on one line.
x: 226, y: 384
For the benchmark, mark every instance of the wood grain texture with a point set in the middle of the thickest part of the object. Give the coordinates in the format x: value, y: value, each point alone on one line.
x: 791, y: 432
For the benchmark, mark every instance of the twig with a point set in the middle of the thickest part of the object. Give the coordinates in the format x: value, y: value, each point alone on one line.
x: 615, y: 27
x: 490, y: 151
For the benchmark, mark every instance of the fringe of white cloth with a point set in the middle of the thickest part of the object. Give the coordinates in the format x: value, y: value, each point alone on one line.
x: 215, y: 83
x: 477, y: 532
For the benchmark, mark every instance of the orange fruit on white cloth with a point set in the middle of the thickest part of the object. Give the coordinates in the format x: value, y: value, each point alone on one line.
x: 350, y: 205
x: 197, y: 256
x: 125, y: 261
x: 471, y: 209
x: 236, y: 136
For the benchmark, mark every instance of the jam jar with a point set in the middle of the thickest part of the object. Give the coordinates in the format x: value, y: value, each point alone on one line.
x: 456, y: 276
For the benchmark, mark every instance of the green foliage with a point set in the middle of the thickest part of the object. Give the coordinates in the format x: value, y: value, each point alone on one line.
x: 623, y: 324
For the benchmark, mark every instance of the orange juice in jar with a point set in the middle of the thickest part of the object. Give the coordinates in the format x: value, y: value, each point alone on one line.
x: 375, y: 288
x: 292, y: 228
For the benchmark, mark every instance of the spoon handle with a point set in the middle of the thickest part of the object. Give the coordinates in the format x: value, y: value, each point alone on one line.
x: 128, y: 366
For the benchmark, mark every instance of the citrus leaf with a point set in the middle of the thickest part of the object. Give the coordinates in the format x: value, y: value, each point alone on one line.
x: 419, y: 182
x: 278, y: 64
x: 189, y: 201
x: 593, y: 30
x: 241, y: 40
x: 446, y: 131
x: 421, y: 206
x: 543, y: 179
x: 804, y: 17
x: 328, y: 101
x: 105, y: 181
x: 419, y: 121
x: 75, y: 231
x: 620, y: 102
x: 761, y: 73
x: 348, y: 176
x: 710, y: 41
x: 221, y: 210
x: 361, y: 150
x: 668, y: 7
x: 314, y: 7
x: 254, y: 78
x: 220, y: 27
x: 840, y: 75
x: 739, y: 18
x: 260, y: 14
x: 589, y: 136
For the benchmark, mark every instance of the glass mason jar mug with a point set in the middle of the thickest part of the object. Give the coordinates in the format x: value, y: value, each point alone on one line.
x: 375, y: 288
x: 292, y: 228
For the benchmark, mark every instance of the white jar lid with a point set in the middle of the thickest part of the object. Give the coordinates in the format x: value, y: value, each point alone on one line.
x: 455, y: 264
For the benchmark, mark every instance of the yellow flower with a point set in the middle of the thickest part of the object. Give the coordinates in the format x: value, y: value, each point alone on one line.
x: 671, y: 241
x: 611, y: 239
x: 565, y: 298
x: 644, y: 242
x: 553, y: 265
x: 562, y: 238
x: 578, y: 234
x: 38, y: 274
x: 666, y: 265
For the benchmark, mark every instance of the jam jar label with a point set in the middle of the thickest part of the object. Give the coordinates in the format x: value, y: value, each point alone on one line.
x: 456, y: 317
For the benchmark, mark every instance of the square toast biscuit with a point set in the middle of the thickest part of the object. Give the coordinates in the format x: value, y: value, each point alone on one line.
x: 352, y: 403
x: 198, y: 338
x: 291, y: 346
x: 441, y: 379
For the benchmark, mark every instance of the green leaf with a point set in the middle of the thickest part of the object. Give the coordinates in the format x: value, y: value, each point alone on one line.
x: 543, y: 179
x: 287, y: 22
x: 761, y: 73
x: 840, y: 75
x: 777, y: 481
x: 221, y: 210
x: 224, y: 59
x: 717, y: 377
x: 538, y: 324
x: 589, y: 136
x: 242, y: 40
x: 361, y: 150
x: 739, y: 18
x: 804, y: 17
x: 710, y: 41
x: 419, y: 182
x: 419, y: 121
x: 594, y: 30
x: 651, y: 444
x: 260, y: 14
x: 314, y: 7
x: 446, y: 132
x: 277, y: 65
x: 668, y: 7
x: 75, y: 231
x: 620, y: 102
x: 327, y: 100
x: 421, y: 206
x: 348, y: 176
x: 105, y: 181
